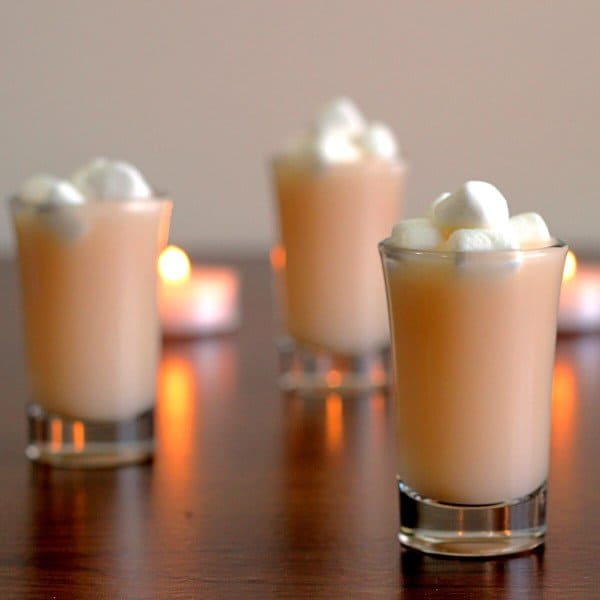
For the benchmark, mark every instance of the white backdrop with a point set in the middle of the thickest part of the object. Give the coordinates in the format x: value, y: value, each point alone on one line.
x: 198, y: 94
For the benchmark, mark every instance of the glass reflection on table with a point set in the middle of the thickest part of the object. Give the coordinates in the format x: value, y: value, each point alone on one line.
x: 96, y: 521
x: 513, y: 577
x: 342, y: 447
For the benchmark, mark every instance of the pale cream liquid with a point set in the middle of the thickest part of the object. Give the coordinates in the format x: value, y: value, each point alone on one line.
x: 473, y: 354
x: 330, y: 222
x: 92, y: 332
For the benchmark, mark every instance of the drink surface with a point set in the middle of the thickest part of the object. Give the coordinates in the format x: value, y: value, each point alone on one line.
x: 91, y: 325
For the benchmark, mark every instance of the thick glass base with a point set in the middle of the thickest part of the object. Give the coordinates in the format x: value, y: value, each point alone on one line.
x: 311, y: 371
x: 470, y: 530
x: 80, y: 444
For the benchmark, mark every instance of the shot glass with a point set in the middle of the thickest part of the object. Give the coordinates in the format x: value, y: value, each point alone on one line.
x: 473, y: 339
x: 330, y: 291
x: 88, y: 283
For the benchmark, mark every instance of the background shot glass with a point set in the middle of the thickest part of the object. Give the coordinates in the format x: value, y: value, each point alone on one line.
x: 473, y: 338
x: 328, y: 279
x: 88, y: 282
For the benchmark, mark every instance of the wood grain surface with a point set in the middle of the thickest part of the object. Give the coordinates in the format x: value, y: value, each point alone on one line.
x: 255, y: 495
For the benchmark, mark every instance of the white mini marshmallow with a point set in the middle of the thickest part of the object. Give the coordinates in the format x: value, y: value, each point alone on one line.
x: 47, y: 190
x: 477, y: 240
x: 432, y: 206
x: 378, y: 140
x: 530, y: 229
x: 337, y: 147
x: 103, y: 179
x: 341, y: 115
x: 66, y: 222
x: 56, y: 202
x: 417, y: 234
x: 340, y: 134
x: 475, y: 205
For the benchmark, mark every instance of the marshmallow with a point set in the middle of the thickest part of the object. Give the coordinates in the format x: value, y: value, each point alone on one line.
x: 530, y: 230
x: 473, y: 219
x: 435, y: 203
x: 476, y: 240
x: 340, y: 134
x: 417, y: 234
x: 336, y: 147
x: 343, y: 116
x: 475, y: 205
x: 65, y: 222
x: 47, y: 190
x: 378, y: 140
x: 103, y: 179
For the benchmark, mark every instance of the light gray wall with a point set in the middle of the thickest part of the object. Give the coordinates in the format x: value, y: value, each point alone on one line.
x: 198, y: 93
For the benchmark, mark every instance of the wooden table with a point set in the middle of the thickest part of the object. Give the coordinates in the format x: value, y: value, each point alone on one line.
x: 255, y: 495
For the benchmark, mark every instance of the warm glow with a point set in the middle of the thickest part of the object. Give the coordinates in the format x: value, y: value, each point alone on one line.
x: 378, y: 374
x: 333, y: 378
x: 174, y: 265
x: 78, y: 436
x: 564, y: 400
x: 176, y: 395
x: 176, y: 387
x: 570, y: 266
x: 56, y: 430
x: 378, y: 404
x: 334, y: 422
x: 277, y: 256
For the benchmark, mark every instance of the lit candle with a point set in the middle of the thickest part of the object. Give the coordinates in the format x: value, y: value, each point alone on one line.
x: 196, y: 300
x: 579, y: 309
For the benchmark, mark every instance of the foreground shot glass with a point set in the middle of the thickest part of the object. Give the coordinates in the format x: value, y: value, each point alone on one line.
x: 473, y: 338
x: 338, y: 191
x: 88, y: 281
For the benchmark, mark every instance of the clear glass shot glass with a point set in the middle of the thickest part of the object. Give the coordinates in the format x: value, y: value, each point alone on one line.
x: 92, y: 337
x: 473, y: 339
x: 328, y: 280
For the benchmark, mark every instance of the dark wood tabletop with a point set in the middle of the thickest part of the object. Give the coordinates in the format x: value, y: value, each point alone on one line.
x: 256, y: 495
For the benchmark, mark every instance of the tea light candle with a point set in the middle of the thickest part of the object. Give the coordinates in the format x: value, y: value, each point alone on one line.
x: 196, y: 301
x: 579, y: 308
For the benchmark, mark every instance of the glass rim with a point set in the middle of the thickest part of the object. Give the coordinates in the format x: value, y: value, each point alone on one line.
x: 277, y: 159
x: 15, y: 201
x: 388, y: 248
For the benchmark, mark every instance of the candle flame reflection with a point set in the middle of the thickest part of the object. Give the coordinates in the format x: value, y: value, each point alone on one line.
x: 174, y: 265
x: 334, y: 422
x: 564, y: 398
x: 56, y: 431
x: 78, y: 436
x: 176, y: 391
x: 277, y: 256
x: 333, y: 378
x: 570, y: 266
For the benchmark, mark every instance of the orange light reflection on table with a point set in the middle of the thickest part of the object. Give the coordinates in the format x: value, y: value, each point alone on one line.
x: 56, y: 431
x: 334, y: 419
x: 564, y: 398
x: 78, y: 436
x: 333, y: 378
x: 176, y: 393
x: 277, y: 257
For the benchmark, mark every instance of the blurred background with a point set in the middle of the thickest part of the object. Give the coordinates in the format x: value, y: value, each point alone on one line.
x: 199, y: 94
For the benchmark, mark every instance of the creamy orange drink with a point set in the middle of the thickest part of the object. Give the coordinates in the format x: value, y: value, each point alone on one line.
x: 338, y: 189
x: 87, y: 254
x: 473, y: 298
